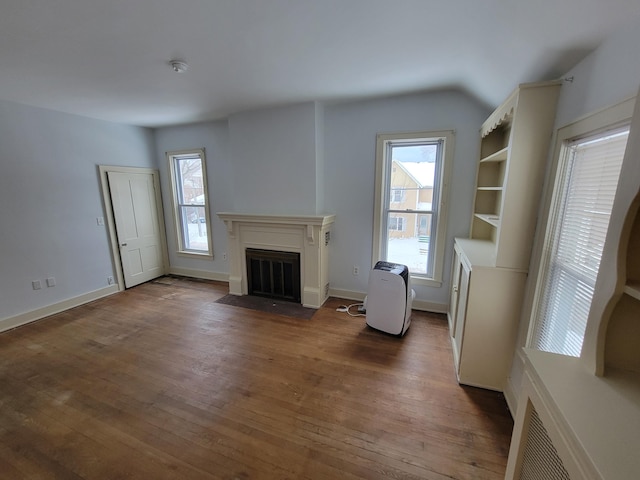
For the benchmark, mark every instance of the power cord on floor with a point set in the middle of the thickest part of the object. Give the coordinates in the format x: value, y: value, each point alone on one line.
x: 347, y: 308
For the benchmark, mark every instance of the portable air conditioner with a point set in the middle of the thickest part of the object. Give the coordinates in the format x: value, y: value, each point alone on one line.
x: 389, y: 298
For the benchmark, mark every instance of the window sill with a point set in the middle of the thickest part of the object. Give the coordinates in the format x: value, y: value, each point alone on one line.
x: 425, y: 282
x: 204, y: 255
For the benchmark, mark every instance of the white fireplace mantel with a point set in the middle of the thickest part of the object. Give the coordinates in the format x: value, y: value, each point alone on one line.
x: 307, y: 235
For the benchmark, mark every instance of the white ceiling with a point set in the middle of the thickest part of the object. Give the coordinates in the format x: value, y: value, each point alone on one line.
x: 108, y: 59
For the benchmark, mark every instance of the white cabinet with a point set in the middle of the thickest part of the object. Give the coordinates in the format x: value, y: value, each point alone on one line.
x: 490, y: 268
x: 487, y: 304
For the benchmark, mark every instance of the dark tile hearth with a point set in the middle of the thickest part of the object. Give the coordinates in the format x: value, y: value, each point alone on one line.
x: 269, y: 305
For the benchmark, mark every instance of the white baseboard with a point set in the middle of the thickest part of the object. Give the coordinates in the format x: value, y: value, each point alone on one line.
x: 347, y: 294
x: 417, y: 304
x: 33, y: 315
x: 333, y: 292
x: 430, y: 306
x: 202, y: 274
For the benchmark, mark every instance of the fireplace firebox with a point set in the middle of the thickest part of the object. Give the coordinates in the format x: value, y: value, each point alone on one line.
x: 273, y: 274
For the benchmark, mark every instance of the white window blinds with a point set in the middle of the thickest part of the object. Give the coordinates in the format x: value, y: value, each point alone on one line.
x: 575, y: 240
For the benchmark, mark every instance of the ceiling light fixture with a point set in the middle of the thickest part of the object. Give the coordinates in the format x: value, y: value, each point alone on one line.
x: 178, y: 66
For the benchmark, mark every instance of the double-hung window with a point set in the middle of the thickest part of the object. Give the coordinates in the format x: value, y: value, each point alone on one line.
x: 411, y: 185
x: 586, y: 183
x: 190, y: 202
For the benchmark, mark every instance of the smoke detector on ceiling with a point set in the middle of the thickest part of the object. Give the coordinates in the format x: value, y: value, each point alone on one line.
x: 178, y: 66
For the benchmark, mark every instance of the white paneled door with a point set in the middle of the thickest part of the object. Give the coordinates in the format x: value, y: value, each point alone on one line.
x: 135, y: 212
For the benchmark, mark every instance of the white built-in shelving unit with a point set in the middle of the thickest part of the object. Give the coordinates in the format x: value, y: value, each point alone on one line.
x: 490, y: 267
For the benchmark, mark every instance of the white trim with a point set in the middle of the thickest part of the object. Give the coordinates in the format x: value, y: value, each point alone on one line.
x: 347, y: 294
x: 431, y: 307
x: 601, y: 120
x: 307, y: 220
x: 511, y: 390
x: 33, y: 315
x: 177, y: 230
x: 202, y: 274
x: 442, y: 211
x: 419, y: 305
x: 511, y: 396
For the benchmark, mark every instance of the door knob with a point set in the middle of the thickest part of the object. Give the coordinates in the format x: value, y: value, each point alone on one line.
x: 123, y: 244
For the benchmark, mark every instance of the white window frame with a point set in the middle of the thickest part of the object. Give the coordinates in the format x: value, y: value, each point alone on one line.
x: 608, y: 119
x: 397, y: 195
x: 172, y: 157
x: 400, y: 224
x: 439, y: 207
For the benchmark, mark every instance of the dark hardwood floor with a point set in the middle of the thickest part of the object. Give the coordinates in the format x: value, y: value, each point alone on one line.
x: 160, y: 382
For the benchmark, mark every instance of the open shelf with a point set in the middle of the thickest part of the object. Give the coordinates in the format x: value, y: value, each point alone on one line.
x: 496, y: 134
x: 484, y: 231
x: 499, y: 156
x: 490, y: 219
x: 488, y: 201
x: 633, y: 290
x: 491, y: 174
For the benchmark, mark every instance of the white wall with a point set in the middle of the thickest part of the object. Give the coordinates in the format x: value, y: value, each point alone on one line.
x: 350, y: 133
x: 214, y: 138
x: 50, y: 199
x: 606, y: 77
x: 274, y: 160
x: 306, y: 159
x: 320, y: 161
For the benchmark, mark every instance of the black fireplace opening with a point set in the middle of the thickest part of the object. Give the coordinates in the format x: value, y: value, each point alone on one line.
x: 273, y: 274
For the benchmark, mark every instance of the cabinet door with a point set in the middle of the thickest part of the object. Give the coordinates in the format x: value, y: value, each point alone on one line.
x: 454, y: 294
x: 463, y: 295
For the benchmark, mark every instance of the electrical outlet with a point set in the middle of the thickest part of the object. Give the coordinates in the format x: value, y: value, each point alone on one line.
x: 36, y: 285
x: 51, y: 282
x: 224, y: 257
x: 356, y: 270
x: 110, y: 280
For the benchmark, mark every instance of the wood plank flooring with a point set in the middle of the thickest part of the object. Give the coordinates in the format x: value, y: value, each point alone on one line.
x: 159, y: 382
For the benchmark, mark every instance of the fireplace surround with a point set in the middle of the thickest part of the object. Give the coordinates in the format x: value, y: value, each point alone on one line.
x: 307, y: 235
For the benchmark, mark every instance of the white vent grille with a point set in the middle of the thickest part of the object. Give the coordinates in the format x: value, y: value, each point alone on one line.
x: 540, y: 460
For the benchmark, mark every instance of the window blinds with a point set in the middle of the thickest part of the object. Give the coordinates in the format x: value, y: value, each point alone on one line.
x: 576, y: 239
